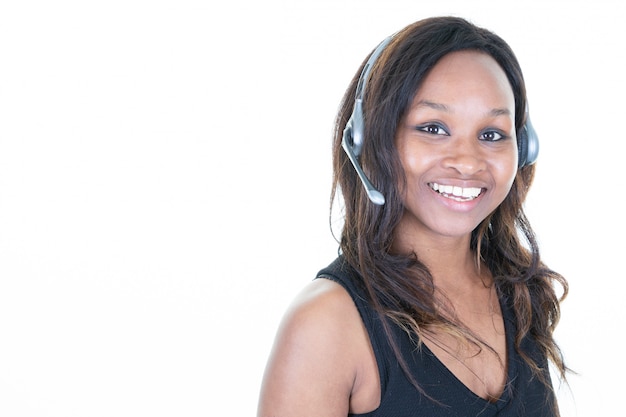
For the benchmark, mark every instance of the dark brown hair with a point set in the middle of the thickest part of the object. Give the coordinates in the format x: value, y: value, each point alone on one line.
x: 400, y: 287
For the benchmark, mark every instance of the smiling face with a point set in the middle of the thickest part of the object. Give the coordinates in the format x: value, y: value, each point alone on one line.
x: 457, y: 146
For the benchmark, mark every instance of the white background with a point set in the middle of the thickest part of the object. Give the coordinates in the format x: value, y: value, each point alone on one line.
x: 165, y: 176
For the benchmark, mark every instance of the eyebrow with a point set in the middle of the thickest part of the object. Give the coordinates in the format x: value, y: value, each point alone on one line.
x: 500, y: 112
x: 442, y: 107
x: 432, y: 105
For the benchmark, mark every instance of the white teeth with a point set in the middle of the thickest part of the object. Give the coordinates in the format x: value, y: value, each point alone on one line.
x: 454, y: 191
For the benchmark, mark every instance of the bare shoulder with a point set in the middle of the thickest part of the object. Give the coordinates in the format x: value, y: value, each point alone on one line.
x: 322, y: 299
x: 316, y: 364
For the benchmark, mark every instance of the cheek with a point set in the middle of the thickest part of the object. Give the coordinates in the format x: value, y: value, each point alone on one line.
x: 414, y: 159
x: 414, y: 165
x: 407, y: 158
x: 410, y: 162
x: 506, y: 172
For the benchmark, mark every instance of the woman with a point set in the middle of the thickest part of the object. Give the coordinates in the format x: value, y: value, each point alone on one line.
x: 434, y: 307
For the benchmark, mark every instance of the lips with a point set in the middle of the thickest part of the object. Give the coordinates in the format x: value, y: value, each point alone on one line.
x: 456, y: 193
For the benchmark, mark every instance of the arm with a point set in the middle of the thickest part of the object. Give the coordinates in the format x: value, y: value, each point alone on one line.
x: 316, y: 365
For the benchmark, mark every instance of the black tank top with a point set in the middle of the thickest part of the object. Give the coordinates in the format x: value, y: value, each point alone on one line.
x: 524, y: 394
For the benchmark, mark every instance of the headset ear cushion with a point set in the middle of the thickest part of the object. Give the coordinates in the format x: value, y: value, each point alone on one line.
x: 347, y: 133
x: 528, y: 144
x: 522, y: 147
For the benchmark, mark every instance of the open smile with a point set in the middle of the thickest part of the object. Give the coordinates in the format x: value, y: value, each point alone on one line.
x: 456, y: 193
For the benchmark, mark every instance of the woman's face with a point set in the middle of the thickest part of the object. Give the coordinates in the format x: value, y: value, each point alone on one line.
x: 457, y: 146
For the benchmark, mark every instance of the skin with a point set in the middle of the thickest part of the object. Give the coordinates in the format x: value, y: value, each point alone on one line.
x: 459, y: 131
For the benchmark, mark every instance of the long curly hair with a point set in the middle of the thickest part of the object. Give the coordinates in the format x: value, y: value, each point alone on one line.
x: 399, y: 286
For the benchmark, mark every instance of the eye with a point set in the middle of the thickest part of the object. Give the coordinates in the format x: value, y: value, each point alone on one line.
x: 432, y: 129
x: 492, y: 136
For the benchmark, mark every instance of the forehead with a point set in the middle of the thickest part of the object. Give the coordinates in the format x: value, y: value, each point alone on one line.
x: 465, y: 74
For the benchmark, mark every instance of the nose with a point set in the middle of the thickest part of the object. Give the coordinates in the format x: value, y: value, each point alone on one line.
x: 465, y: 156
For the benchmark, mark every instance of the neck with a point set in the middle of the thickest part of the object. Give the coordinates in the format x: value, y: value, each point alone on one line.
x: 463, y: 286
x: 453, y: 265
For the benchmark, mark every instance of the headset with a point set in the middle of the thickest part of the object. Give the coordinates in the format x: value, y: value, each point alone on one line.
x: 352, y: 140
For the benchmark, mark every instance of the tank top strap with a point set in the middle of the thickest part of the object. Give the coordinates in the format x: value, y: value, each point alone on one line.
x: 342, y: 273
